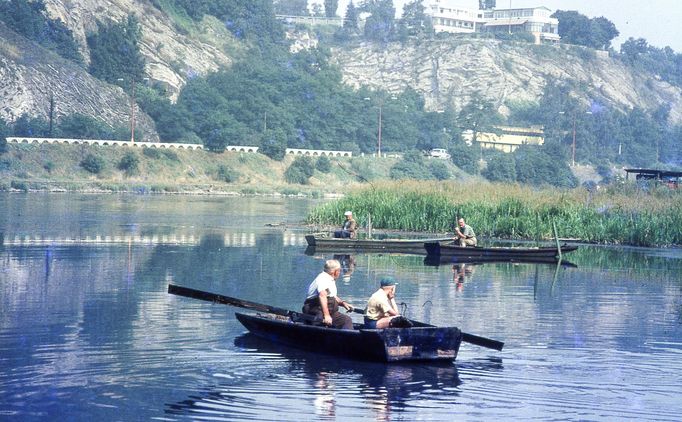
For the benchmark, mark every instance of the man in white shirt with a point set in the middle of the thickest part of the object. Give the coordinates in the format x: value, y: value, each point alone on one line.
x: 323, y: 301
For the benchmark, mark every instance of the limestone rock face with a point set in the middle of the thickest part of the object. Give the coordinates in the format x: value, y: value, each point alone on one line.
x: 171, y: 55
x: 448, y: 72
x: 30, y: 75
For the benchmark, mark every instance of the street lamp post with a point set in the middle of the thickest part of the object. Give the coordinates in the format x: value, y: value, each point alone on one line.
x: 379, y: 129
x: 379, y: 134
x: 574, y: 118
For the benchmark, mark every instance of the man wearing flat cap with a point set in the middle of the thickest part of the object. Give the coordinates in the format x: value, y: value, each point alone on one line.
x: 381, y: 306
x: 349, y: 227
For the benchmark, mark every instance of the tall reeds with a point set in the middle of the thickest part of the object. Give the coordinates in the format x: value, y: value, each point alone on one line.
x: 621, y: 216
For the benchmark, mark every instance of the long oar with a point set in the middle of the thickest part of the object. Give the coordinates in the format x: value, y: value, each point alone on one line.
x: 469, y: 338
x: 227, y: 300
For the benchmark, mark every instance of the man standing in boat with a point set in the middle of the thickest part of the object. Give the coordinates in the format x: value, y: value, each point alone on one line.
x: 464, y: 234
x: 323, y: 301
x: 349, y: 227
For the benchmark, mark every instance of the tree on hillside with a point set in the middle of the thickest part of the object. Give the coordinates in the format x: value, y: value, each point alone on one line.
x: 351, y: 19
x: 246, y: 19
x: 32, y: 127
x: 479, y: 115
x: 465, y: 156
x: 603, y: 32
x: 414, y: 20
x: 501, y: 168
x: 330, y: 7
x: 535, y: 167
x: 4, y: 132
x: 576, y: 28
x: 274, y: 144
x: 115, y: 52
x: 380, y: 24
x: 30, y: 19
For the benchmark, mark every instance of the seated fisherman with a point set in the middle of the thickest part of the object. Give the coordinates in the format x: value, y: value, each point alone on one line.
x: 382, y: 311
x: 322, y: 300
x: 349, y: 227
x: 464, y: 234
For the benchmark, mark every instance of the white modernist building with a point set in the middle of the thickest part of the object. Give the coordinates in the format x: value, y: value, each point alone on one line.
x: 446, y: 16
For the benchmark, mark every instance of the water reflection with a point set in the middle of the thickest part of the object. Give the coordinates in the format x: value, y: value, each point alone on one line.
x: 386, y: 389
x: 347, y: 266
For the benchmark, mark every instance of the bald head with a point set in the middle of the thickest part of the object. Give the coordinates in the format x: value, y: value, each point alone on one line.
x: 331, y: 265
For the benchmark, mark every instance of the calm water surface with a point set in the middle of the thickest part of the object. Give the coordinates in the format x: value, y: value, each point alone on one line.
x: 88, y: 332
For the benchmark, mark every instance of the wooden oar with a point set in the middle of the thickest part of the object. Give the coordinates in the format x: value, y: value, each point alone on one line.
x: 227, y: 300
x: 469, y: 338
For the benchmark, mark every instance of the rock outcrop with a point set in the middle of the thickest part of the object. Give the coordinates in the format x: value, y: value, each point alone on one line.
x: 448, y: 72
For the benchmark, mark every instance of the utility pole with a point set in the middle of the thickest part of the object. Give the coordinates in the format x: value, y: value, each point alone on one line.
x: 132, y: 114
x: 379, y: 137
x: 573, y: 152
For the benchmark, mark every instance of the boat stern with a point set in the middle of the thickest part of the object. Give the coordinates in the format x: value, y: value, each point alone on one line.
x: 421, y: 343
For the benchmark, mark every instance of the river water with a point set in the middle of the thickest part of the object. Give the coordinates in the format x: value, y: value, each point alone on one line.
x: 88, y: 331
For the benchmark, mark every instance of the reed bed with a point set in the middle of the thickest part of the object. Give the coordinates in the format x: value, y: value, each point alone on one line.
x: 622, y: 215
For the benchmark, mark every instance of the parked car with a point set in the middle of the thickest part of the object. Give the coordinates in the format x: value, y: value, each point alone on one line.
x: 439, y: 153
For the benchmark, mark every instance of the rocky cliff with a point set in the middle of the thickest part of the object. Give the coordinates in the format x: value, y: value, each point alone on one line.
x: 449, y: 71
x: 445, y: 71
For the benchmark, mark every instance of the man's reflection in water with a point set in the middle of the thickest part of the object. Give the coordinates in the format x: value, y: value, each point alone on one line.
x: 325, y: 403
x: 347, y: 266
x: 460, y: 273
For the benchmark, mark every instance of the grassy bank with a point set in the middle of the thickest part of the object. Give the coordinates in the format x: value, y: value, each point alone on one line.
x: 60, y: 168
x: 619, y: 215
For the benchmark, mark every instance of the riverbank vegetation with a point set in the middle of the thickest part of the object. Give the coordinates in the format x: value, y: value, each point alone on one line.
x: 619, y: 214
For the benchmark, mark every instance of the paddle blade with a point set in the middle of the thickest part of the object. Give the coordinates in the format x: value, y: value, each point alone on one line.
x: 482, y: 341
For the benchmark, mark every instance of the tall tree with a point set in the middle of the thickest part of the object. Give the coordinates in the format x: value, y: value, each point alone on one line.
x: 350, y: 22
x: 115, y: 52
x: 380, y: 24
x: 479, y: 115
x: 330, y: 8
x: 414, y: 20
x: 30, y: 19
x: 576, y: 28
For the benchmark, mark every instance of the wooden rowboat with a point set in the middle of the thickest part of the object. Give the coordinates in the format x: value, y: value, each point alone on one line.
x: 473, y: 252
x: 387, y: 345
x: 419, y: 342
x: 384, y: 245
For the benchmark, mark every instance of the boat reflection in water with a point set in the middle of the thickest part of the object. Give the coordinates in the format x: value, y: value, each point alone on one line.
x: 303, y: 379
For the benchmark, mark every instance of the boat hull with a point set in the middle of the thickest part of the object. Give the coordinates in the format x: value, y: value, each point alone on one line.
x: 437, y: 249
x: 419, y: 343
x: 365, y: 245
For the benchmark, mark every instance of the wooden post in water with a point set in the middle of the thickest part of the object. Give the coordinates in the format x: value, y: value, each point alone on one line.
x: 556, y: 237
x: 369, y: 226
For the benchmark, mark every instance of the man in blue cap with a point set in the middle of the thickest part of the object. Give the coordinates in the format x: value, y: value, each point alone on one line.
x: 381, y: 306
